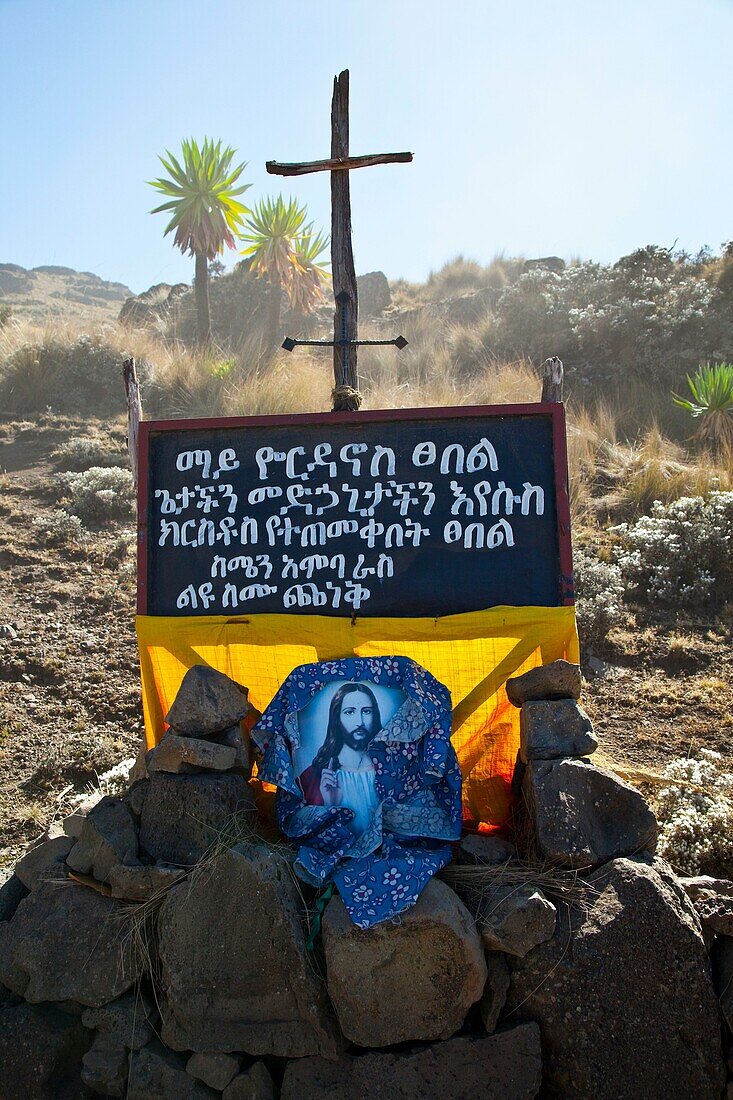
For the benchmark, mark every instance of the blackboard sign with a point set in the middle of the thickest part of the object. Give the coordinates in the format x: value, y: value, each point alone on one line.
x: 419, y: 512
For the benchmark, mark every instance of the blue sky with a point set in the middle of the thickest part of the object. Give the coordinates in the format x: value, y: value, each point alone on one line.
x: 538, y: 127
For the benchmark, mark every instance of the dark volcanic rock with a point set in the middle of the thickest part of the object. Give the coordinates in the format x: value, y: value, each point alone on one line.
x: 66, y: 943
x: 623, y: 993
x: 174, y: 751
x: 126, y: 1020
x: 235, y: 975
x: 505, y: 1066
x: 558, y: 680
x: 584, y: 816
x: 40, y: 1052
x: 159, y: 1074
x: 108, y: 837
x: 207, y: 702
x: 45, y: 861
x: 183, y: 814
x: 552, y: 729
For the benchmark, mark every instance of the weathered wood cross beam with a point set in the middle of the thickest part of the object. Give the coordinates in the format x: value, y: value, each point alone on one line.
x: 346, y: 317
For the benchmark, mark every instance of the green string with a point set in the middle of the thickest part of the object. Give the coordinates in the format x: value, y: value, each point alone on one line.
x: 321, y: 902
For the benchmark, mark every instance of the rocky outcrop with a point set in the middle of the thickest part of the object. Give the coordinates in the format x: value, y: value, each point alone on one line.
x: 415, y: 979
x: 245, y: 985
x: 374, y: 293
x: 492, y: 1067
x: 622, y: 993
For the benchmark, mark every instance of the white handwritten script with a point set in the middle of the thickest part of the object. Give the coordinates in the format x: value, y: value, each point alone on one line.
x: 327, y: 526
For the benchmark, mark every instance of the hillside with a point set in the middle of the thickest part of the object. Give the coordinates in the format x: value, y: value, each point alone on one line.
x: 49, y: 291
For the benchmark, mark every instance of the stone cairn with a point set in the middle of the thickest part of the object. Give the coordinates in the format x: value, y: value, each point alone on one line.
x: 156, y: 947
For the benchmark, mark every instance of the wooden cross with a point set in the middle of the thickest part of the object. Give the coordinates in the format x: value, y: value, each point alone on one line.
x: 346, y: 316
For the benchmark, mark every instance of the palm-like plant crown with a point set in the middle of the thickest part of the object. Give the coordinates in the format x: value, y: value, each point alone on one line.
x: 202, y: 197
x: 284, y: 250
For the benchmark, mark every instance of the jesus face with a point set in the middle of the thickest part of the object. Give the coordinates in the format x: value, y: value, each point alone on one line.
x: 357, y: 720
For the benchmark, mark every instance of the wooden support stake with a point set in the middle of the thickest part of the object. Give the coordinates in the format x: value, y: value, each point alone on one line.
x: 342, y: 257
x: 552, y: 378
x: 134, y: 411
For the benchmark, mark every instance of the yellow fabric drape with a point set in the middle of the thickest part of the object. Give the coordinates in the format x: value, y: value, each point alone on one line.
x: 472, y: 654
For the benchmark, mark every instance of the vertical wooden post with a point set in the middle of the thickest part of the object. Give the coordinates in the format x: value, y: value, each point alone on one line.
x: 345, y: 371
x: 134, y: 411
x: 552, y: 377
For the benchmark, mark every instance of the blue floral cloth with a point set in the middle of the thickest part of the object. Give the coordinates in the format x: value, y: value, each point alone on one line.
x: 381, y: 872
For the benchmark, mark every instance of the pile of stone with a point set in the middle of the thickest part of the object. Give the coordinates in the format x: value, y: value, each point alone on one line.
x: 155, y: 951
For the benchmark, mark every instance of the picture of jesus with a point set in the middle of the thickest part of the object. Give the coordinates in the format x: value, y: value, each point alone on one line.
x: 342, y: 773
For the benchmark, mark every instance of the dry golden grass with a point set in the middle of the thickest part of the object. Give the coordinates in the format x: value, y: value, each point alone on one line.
x: 617, y: 469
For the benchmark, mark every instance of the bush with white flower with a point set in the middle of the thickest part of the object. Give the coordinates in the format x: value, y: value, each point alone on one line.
x: 599, y: 592
x: 681, y: 554
x: 695, y: 814
x: 57, y: 528
x: 100, y: 493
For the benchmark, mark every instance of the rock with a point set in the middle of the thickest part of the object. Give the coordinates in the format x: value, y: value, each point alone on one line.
x: 45, y: 861
x: 374, y: 293
x: 584, y: 816
x: 12, y: 893
x: 558, y: 680
x: 545, y: 263
x: 716, y: 914
x: 506, y: 1066
x: 142, y: 883
x: 125, y: 1020
x: 412, y: 980
x: 622, y: 993
x: 135, y: 797
x: 551, y: 730
x: 243, y: 984
x: 255, y: 1084
x: 495, y: 990
x: 183, y: 814
x: 723, y: 963
x: 105, y: 1067
x: 73, y: 823
x: 108, y: 837
x: 40, y: 1052
x: 139, y: 769
x: 215, y: 1070
x: 236, y: 738
x: 514, y: 919
x: 173, y: 751
x: 67, y: 943
x: 475, y: 848
x: 698, y: 886
x: 159, y: 1074
x: 207, y: 702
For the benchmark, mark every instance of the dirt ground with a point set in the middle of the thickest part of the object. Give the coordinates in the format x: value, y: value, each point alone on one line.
x: 69, y: 681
